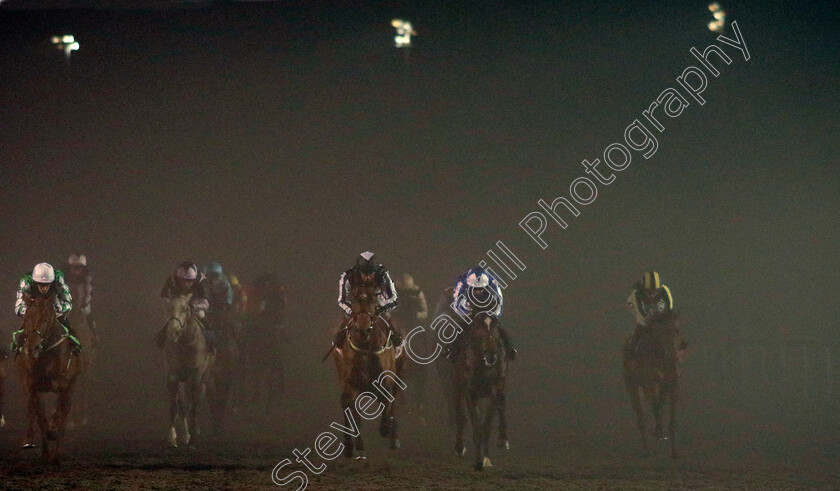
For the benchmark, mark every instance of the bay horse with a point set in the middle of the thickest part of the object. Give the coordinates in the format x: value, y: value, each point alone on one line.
x: 363, y: 357
x: 650, y: 368
x: 46, y: 364
x: 187, y: 360
x: 480, y: 368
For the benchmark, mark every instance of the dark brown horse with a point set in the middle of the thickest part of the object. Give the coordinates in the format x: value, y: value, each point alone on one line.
x: 650, y: 368
x: 479, y: 382
x: 46, y: 364
x: 362, y: 359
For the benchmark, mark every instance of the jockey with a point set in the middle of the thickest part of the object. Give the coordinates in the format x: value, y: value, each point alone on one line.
x: 367, y: 271
x: 240, y: 296
x: 80, y: 283
x: 219, y: 293
x: 479, y: 285
x: 413, y: 306
x: 648, y: 298
x: 43, y: 282
x: 185, y: 280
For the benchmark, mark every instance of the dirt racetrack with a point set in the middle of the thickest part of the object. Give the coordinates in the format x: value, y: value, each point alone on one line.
x: 141, y: 461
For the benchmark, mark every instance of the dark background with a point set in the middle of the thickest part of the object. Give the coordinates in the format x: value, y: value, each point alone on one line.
x: 289, y: 137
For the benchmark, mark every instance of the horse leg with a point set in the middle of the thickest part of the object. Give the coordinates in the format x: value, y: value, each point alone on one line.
x: 37, y: 407
x: 673, y: 398
x: 2, y: 394
x: 172, y: 388
x: 489, y: 409
x: 388, y: 425
x: 31, y: 417
x: 657, y: 404
x: 193, y: 400
x: 479, y: 435
x: 635, y: 399
x: 460, y: 421
x: 349, y: 440
x: 62, y: 411
x: 501, y: 407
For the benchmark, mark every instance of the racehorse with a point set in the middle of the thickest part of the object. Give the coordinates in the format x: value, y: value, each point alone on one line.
x: 651, y: 369
x: 479, y: 381
x: 187, y: 360
x: 87, y: 358
x: 365, y: 354
x: 46, y: 364
x: 263, y: 359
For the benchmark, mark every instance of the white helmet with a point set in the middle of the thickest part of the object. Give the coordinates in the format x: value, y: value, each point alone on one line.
x: 479, y: 280
x: 43, y: 273
x: 187, y: 271
x: 77, y: 260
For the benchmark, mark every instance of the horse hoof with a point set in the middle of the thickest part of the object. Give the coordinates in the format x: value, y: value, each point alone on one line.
x: 361, y: 456
x: 395, y: 444
x: 486, y: 462
x: 505, y: 444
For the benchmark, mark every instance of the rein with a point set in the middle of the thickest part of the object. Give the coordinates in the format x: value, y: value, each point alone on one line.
x: 387, y: 346
x: 381, y: 350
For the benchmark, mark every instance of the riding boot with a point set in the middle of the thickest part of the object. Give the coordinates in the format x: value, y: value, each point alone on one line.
x: 76, y: 347
x: 14, y: 346
x: 396, y: 336
x: 510, y: 351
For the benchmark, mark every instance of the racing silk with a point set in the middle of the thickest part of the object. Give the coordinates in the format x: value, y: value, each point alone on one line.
x: 642, y: 308
x: 462, y: 300
x: 63, y: 300
x: 386, y: 292
x: 219, y: 291
x: 170, y: 288
x: 81, y: 287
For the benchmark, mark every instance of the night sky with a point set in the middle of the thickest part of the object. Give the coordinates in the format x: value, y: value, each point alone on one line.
x: 285, y: 137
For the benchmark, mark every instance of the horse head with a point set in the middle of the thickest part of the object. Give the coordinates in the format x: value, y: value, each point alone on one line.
x: 663, y: 336
x: 365, y: 326
x: 180, y: 314
x: 37, y: 323
x: 483, y: 340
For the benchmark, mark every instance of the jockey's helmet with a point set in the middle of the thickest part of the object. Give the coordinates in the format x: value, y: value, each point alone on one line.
x: 43, y: 273
x: 478, y: 278
x: 77, y: 260
x: 187, y: 271
x: 650, y: 280
x: 366, y: 264
x: 212, y: 268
